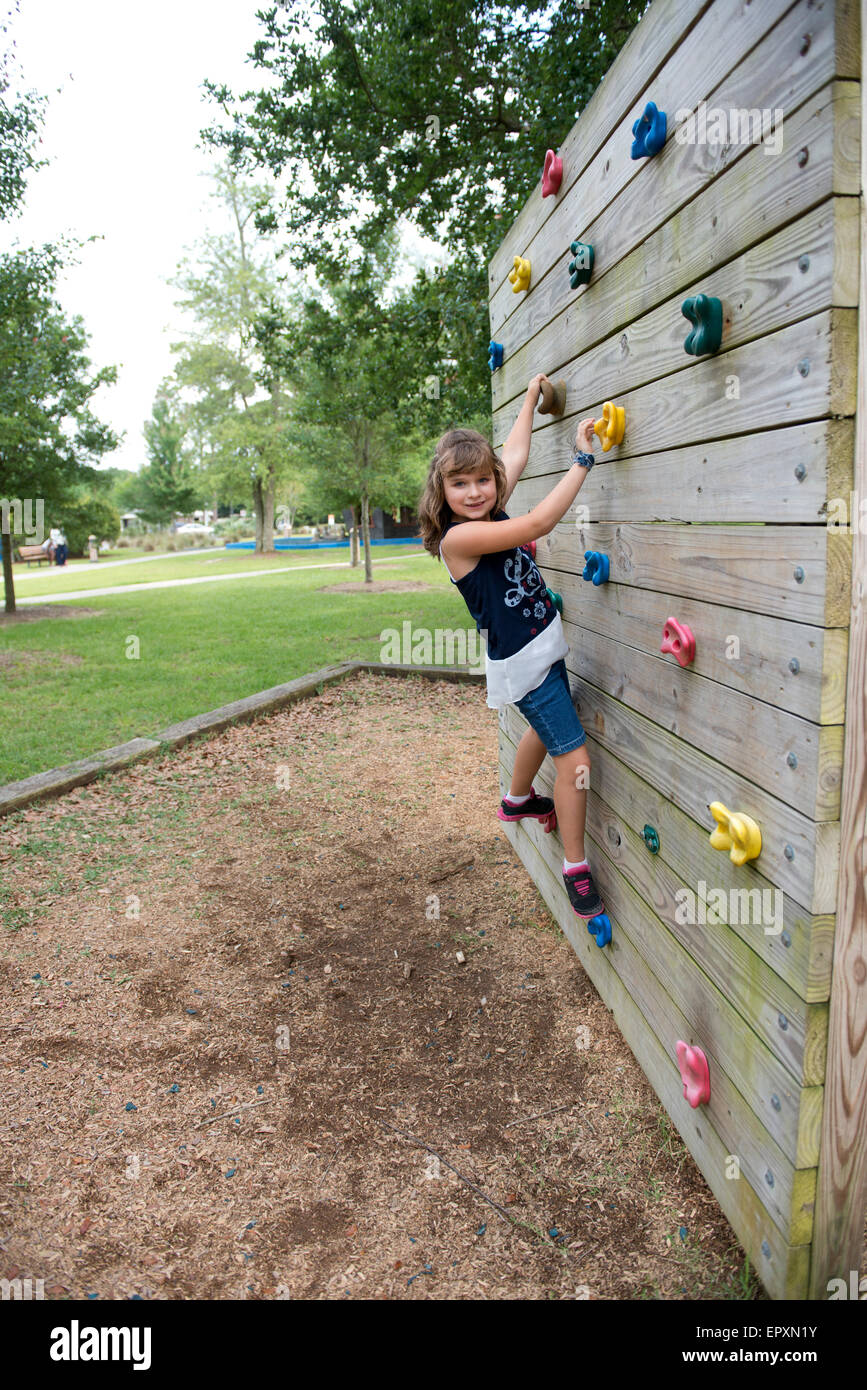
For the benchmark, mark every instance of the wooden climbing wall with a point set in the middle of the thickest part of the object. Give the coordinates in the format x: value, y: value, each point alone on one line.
x: 712, y: 510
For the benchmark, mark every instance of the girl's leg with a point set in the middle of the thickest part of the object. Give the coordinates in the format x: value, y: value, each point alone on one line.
x: 529, y: 757
x: 571, y: 801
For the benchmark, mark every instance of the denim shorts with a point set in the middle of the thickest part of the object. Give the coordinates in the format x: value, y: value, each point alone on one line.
x: 549, y: 710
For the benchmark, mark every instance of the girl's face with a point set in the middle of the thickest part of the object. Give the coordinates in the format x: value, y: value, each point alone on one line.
x: 471, y: 496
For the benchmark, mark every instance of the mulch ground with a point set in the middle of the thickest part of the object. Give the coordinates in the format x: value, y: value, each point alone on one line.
x: 243, y: 1059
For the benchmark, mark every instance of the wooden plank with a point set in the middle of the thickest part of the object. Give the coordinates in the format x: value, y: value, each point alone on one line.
x: 756, y: 1072
x: 750, y: 738
x: 798, y: 1134
x: 743, y: 566
x: 842, y: 1182
x: 798, y: 947
x: 766, y: 289
x: 797, y: 373
x: 751, y: 201
x: 752, y: 988
x: 783, y: 1269
x: 660, y: 32
x: 609, y: 205
x: 691, y: 781
x: 767, y: 646
x: 750, y: 478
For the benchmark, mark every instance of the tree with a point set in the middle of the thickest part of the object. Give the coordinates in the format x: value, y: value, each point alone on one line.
x: 437, y: 110
x: 166, y: 483
x: 49, y: 436
x: 239, y: 406
x: 355, y: 375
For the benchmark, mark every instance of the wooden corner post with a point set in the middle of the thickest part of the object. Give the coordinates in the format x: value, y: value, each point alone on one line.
x: 841, y: 1192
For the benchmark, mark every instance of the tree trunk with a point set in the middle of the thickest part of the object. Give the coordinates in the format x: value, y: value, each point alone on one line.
x: 365, y: 513
x: 259, y: 508
x: 353, y: 539
x: 365, y: 534
x: 7, y: 573
x: 268, y: 518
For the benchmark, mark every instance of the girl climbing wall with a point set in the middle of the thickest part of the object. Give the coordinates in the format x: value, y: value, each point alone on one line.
x: 490, y: 559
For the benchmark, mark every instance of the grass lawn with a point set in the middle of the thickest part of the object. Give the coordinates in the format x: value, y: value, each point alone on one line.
x: 106, y: 573
x: 70, y: 689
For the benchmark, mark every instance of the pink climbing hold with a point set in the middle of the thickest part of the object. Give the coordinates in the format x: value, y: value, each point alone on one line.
x: 694, y: 1074
x: 677, y: 638
x: 552, y: 174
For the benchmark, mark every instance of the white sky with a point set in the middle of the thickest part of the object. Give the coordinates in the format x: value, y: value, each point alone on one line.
x: 121, y: 134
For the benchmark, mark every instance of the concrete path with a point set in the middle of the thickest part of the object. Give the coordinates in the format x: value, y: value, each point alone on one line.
x: 63, y: 596
x: 88, y: 567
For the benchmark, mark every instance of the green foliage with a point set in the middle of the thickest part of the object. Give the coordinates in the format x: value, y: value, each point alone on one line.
x: 166, y: 483
x: 49, y: 437
x: 88, y: 516
x: 20, y: 123
x: 437, y: 110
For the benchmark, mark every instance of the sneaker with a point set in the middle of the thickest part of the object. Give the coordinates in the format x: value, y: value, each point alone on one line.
x: 540, y: 808
x: 583, y: 896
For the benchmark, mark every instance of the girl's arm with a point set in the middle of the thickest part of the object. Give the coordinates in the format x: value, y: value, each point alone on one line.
x: 516, y: 449
x: 482, y: 537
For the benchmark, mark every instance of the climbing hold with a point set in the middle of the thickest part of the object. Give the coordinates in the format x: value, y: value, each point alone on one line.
x: 553, y: 400
x: 611, y: 426
x: 694, y: 1074
x: 581, y: 265
x: 649, y: 131
x: 706, y: 314
x: 552, y: 173
x: 495, y: 355
x: 735, y: 832
x: 531, y: 546
x: 600, y: 927
x: 678, y: 639
x: 651, y: 839
x: 555, y: 599
x: 520, y: 276
x: 597, y: 568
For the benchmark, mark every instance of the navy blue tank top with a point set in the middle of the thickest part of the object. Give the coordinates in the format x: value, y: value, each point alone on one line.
x: 506, y: 595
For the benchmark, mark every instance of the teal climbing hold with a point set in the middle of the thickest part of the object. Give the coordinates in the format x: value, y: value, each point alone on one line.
x: 706, y: 314
x: 581, y: 265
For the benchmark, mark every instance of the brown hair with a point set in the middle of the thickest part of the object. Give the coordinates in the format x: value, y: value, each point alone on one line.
x: 458, y: 451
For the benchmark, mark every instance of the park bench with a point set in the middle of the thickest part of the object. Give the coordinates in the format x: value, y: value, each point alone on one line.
x: 32, y: 552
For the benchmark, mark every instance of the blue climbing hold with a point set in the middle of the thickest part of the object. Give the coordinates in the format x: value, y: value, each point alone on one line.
x: 495, y: 355
x: 600, y: 927
x: 649, y: 131
x: 597, y: 567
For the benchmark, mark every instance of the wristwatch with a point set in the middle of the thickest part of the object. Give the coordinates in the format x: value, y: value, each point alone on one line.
x: 585, y: 460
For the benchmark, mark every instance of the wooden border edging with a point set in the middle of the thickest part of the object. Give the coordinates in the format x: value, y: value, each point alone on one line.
x: 58, y: 780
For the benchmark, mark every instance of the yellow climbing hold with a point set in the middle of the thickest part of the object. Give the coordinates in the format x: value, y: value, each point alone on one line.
x: 611, y: 426
x: 735, y: 832
x: 520, y: 276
